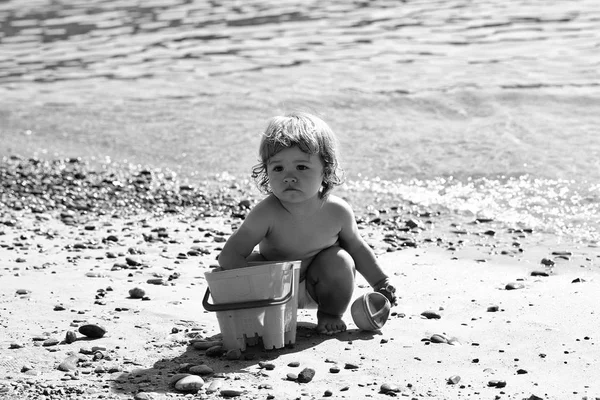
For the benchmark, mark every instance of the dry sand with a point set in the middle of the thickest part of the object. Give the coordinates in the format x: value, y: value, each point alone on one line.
x: 542, y: 340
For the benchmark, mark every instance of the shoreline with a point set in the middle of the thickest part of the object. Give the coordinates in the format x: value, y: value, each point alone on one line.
x: 67, y: 264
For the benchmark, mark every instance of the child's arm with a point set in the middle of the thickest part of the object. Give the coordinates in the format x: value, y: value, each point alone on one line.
x: 242, y: 242
x: 364, y: 257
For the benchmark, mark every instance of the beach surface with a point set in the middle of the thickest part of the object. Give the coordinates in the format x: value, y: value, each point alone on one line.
x: 485, y: 311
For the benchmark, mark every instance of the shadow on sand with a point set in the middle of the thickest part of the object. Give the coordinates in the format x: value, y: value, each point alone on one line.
x: 156, y: 380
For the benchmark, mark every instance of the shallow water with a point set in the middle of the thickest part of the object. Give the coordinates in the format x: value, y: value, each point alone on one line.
x: 476, y: 107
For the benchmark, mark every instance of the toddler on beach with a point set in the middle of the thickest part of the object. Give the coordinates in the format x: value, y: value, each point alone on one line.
x: 301, y: 220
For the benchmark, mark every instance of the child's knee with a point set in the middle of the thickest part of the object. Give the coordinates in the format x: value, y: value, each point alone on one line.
x: 332, y: 263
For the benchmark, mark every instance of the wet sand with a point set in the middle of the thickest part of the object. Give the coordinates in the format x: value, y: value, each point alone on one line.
x: 494, y: 330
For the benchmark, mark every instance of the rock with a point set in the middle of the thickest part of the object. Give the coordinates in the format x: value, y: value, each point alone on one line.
x: 306, y: 375
x: 234, y: 354
x: 201, y: 370
x: 214, y: 386
x: 294, y: 364
x: 547, y: 262
x: 133, y: 261
x: 437, y: 338
x: 70, y: 337
x: 215, y: 351
x: 50, y: 342
x: 431, y: 315
x: 137, y: 293
x: 514, y: 286
x: 190, y: 383
x: 266, y: 365
x: 387, y: 388
x: 291, y: 376
x: 92, y: 331
x: 142, y: 396
x: 453, y: 380
x: 176, y: 378
x: 232, y: 392
x: 22, y: 292
x: 350, y: 366
x: 539, y: 273
x: 497, y: 383
x: 206, y: 344
x: 493, y: 308
x: 69, y: 364
x: 156, y: 281
x: 334, y: 370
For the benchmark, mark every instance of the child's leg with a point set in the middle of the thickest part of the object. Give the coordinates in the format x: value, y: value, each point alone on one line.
x: 330, y: 281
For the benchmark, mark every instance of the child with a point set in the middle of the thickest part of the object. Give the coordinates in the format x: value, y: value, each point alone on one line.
x: 301, y: 220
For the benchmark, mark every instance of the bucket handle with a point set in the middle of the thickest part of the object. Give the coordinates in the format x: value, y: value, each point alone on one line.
x: 248, y: 304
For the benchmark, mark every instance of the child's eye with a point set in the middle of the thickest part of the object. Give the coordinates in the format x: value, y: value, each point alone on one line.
x: 277, y: 168
x: 302, y: 167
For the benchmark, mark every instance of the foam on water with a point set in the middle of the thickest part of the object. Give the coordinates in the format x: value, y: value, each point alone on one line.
x: 552, y: 206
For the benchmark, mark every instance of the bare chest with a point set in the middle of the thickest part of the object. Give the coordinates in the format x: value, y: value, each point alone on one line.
x: 300, y: 238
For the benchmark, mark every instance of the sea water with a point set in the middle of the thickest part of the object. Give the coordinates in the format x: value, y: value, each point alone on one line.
x: 478, y: 108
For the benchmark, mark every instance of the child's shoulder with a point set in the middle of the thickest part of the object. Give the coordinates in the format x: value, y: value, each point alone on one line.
x: 338, y: 204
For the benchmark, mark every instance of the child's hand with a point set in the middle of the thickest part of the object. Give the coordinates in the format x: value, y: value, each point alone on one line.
x: 387, y: 289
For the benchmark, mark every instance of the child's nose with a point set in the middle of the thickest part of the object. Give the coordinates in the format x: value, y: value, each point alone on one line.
x: 289, y: 179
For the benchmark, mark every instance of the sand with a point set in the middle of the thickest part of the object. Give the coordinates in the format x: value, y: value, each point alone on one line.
x: 541, y: 342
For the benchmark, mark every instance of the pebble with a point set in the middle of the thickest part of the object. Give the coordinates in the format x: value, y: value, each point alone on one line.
x: 539, y: 273
x: 176, y: 378
x: 70, y: 337
x: 514, y: 286
x: 453, y: 380
x: 215, y: 351
x: 69, y: 364
x: 431, y: 315
x: 204, y: 345
x: 350, y: 366
x: 137, y: 293
x: 201, y: 370
x: 306, y: 375
x: 50, y: 342
x: 234, y: 354
x: 387, y: 388
x: 92, y: 331
x: 190, y: 383
x: 437, y: 338
x: 497, y: 383
x: 232, y: 392
x: 214, y: 386
x: 292, y: 376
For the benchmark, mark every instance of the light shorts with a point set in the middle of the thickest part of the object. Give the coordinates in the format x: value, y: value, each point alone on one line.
x: 304, y: 298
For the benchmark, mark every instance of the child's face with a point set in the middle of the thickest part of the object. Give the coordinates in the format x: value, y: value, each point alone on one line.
x: 294, y: 175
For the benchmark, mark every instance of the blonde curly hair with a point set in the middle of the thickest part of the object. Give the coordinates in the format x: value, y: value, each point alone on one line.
x: 311, y: 135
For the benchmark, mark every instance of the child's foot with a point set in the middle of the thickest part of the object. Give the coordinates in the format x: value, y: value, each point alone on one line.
x: 329, y: 324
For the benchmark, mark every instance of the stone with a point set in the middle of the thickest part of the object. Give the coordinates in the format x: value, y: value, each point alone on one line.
x: 69, y: 364
x: 387, y: 388
x: 453, y: 380
x: 70, y: 337
x: 137, y: 293
x: 431, y: 315
x: 214, y: 386
x: 514, y: 286
x: 437, y: 338
x: 306, y: 375
x: 190, y: 383
x: 232, y: 392
x: 92, y: 331
x: 201, y: 370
